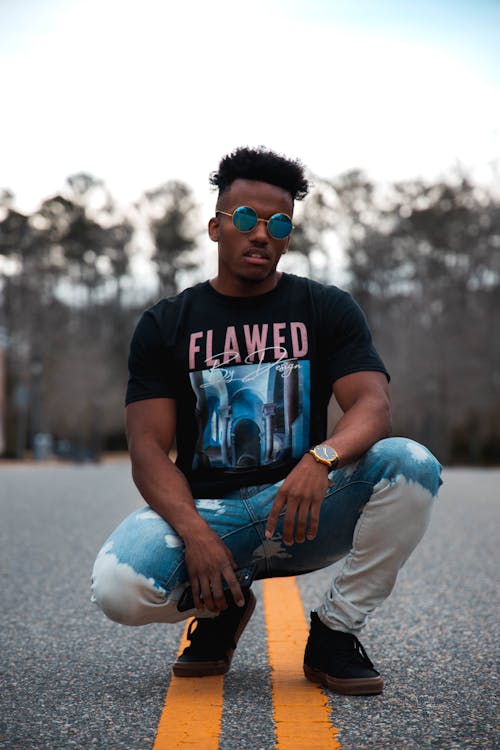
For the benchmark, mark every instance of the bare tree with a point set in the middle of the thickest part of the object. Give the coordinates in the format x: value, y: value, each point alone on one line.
x: 171, y: 214
x: 425, y: 265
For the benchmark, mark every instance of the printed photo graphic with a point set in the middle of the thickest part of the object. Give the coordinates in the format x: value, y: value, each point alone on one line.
x: 251, y: 415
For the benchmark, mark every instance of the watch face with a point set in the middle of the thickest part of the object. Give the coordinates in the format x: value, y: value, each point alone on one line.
x: 324, y: 451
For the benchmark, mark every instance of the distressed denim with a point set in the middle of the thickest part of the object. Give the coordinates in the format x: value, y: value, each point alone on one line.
x: 374, y: 513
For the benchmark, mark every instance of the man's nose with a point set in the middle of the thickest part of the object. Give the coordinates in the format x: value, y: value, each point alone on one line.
x: 259, y: 232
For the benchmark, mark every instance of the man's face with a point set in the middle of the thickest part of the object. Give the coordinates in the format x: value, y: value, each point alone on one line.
x: 248, y: 261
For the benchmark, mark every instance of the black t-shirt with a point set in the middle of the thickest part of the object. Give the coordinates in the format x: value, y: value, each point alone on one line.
x: 251, y: 376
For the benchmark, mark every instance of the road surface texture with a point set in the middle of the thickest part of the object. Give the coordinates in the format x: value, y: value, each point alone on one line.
x: 72, y: 679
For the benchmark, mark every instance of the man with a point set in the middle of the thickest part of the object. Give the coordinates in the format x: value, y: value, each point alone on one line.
x: 238, y: 372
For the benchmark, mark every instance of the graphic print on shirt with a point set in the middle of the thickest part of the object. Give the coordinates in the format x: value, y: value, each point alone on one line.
x: 250, y: 411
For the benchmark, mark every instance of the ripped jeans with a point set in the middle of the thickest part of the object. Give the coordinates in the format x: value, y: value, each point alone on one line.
x: 374, y: 514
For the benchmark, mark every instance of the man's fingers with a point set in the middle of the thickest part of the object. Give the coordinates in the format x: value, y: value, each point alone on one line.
x: 232, y: 583
x: 313, y: 522
x: 218, y: 596
x: 274, y: 514
x: 205, y: 594
x: 301, y: 524
x: 210, y: 592
x: 234, y: 587
x: 195, y: 588
x: 211, y: 572
x: 289, y: 522
x: 213, y: 597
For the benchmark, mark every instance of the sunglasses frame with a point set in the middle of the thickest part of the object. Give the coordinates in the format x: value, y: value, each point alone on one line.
x: 258, y: 218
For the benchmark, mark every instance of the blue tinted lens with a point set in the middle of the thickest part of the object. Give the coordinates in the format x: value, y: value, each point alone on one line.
x: 279, y: 226
x: 244, y: 218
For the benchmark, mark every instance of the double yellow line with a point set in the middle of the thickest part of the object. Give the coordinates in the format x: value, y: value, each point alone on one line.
x: 192, y: 713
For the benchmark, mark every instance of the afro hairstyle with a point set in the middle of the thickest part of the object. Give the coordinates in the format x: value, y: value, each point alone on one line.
x: 262, y: 165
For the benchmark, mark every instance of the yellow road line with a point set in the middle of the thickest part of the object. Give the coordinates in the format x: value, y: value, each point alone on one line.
x: 192, y: 712
x: 301, y: 712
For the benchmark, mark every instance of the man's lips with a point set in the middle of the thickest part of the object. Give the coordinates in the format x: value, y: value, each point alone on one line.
x: 256, y: 255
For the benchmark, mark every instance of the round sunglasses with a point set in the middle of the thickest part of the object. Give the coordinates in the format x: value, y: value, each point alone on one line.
x: 245, y: 219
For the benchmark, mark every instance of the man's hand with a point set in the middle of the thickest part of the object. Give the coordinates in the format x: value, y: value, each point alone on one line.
x: 302, y: 493
x: 364, y: 399
x: 209, y: 562
x: 151, y: 426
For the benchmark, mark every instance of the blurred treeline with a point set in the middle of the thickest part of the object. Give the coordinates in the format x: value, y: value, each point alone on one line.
x: 422, y: 259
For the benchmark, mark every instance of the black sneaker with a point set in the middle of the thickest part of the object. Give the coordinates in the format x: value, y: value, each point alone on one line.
x: 338, y: 661
x: 214, y: 639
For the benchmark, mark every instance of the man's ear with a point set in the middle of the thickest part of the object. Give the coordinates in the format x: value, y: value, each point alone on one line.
x: 285, y: 249
x: 213, y: 229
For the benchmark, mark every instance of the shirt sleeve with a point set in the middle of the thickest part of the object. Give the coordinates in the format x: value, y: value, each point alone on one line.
x: 150, y: 363
x: 349, y: 340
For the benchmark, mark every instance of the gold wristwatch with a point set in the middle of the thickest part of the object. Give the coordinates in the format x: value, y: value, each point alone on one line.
x: 325, y: 454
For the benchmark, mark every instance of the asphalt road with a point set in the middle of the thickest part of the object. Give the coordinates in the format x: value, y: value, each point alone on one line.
x: 72, y: 679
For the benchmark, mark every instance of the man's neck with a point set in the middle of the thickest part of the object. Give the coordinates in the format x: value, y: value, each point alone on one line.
x: 245, y: 288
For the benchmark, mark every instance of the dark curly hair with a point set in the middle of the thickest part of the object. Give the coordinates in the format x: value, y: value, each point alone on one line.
x: 263, y: 165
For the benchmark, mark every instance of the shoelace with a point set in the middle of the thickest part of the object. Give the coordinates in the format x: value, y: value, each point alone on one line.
x: 205, y: 634
x: 361, y: 654
x: 353, y: 652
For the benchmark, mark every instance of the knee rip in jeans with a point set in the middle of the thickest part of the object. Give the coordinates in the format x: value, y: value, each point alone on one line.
x: 409, y: 459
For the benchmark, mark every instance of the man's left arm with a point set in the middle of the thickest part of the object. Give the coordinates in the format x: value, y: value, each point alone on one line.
x: 364, y: 399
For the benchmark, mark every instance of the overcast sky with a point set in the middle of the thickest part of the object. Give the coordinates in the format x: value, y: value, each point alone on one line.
x: 141, y: 92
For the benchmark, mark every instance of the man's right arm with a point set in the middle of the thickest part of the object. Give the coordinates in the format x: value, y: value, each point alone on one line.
x: 151, y: 425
